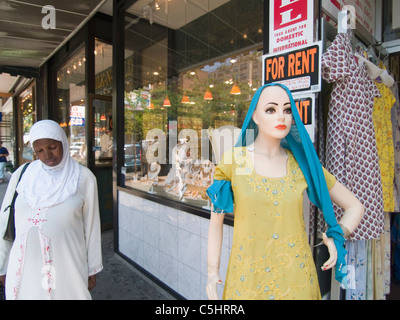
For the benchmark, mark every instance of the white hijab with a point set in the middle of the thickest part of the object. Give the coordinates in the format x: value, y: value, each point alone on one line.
x: 43, y: 186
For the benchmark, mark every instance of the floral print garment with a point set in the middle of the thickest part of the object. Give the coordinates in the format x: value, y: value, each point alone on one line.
x: 351, y: 152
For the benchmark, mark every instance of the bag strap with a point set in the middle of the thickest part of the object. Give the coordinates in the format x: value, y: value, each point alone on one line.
x: 15, y: 192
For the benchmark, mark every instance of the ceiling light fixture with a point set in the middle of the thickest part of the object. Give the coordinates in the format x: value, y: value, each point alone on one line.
x: 235, y: 89
x: 185, y: 99
x: 208, y: 95
x: 166, y: 103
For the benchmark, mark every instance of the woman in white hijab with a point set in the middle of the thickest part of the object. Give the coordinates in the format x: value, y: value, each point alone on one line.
x: 57, y: 250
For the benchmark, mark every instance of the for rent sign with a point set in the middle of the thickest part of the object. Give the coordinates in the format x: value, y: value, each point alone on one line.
x: 305, y: 104
x: 291, y: 24
x: 298, y: 69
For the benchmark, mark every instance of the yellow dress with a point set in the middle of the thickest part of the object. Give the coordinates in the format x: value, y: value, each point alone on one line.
x: 384, y: 141
x: 270, y: 256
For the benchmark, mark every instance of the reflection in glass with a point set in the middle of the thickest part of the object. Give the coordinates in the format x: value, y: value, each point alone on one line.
x: 72, y: 104
x: 103, y: 68
x: 28, y: 111
x: 103, y: 126
x: 191, y: 69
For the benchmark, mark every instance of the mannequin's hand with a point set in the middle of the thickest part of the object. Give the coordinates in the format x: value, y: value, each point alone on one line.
x: 331, y: 262
x: 211, y: 287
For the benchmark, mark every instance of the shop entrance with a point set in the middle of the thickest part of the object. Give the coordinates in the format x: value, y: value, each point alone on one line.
x: 100, y: 153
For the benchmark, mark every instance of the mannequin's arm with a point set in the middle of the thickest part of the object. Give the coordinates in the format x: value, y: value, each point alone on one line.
x: 215, y: 233
x: 353, y: 213
x: 353, y: 208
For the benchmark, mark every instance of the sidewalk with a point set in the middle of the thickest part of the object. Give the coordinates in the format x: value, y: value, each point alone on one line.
x: 121, y: 281
x: 118, y: 280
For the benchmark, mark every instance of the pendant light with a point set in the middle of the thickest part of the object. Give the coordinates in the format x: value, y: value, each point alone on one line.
x: 166, y: 103
x: 185, y: 99
x: 235, y: 89
x: 208, y: 96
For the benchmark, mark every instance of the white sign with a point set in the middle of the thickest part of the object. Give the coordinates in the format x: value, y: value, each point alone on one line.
x: 77, y: 112
x: 77, y: 116
x: 291, y: 24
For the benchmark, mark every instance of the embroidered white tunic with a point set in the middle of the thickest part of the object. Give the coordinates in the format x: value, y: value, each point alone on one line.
x: 55, y: 249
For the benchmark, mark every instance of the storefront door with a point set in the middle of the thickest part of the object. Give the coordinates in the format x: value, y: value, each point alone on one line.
x: 100, y: 153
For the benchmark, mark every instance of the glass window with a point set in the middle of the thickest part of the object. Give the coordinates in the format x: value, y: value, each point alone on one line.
x: 103, y: 68
x: 27, y: 110
x: 7, y: 129
x: 102, y: 107
x: 191, y: 68
x: 71, y: 102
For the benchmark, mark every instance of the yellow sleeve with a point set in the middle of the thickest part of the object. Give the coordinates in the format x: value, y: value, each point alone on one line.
x: 330, y: 179
x: 224, y: 169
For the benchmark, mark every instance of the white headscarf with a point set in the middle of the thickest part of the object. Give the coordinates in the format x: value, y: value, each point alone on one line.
x: 43, y: 186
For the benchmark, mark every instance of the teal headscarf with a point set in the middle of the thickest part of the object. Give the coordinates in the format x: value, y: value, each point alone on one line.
x: 299, y: 143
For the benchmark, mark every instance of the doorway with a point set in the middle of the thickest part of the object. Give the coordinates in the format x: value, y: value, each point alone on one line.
x: 100, y: 142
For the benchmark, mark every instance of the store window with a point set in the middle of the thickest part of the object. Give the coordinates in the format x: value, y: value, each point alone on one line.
x: 102, y: 107
x: 7, y: 132
x: 27, y: 112
x: 103, y: 68
x: 191, y: 69
x: 71, y: 84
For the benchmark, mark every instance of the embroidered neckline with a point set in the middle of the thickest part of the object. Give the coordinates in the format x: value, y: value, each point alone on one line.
x: 274, y: 187
x: 288, y: 168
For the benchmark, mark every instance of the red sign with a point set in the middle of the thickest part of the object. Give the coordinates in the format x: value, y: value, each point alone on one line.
x: 291, y: 24
x: 289, y: 12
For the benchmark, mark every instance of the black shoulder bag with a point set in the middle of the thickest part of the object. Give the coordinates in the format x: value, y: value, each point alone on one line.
x: 9, y: 235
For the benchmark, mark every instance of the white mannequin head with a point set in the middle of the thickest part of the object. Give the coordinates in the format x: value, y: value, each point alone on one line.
x: 273, y: 114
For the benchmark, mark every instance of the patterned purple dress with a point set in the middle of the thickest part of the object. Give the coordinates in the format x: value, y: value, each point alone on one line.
x: 351, y: 152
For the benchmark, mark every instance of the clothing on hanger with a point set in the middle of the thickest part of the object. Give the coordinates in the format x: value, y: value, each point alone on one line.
x: 351, y: 152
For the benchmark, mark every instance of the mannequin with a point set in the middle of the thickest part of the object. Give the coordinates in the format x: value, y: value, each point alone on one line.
x: 154, y: 170
x: 374, y: 71
x: 152, y: 175
x: 266, y: 160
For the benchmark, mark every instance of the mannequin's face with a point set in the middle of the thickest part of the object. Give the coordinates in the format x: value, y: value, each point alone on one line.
x: 49, y: 151
x: 273, y: 114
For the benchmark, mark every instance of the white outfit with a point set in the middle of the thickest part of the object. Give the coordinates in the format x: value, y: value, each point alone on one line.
x: 58, y: 245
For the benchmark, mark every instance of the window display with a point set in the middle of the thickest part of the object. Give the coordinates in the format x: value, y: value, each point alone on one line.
x: 191, y: 69
x: 28, y: 111
x: 72, y: 104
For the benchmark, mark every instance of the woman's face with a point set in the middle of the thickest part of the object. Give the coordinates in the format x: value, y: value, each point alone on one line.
x: 273, y: 114
x: 49, y: 151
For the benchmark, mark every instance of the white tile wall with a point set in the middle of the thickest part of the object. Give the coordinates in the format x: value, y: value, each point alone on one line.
x: 169, y: 243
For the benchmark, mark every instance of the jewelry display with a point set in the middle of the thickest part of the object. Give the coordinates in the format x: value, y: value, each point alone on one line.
x: 187, y: 180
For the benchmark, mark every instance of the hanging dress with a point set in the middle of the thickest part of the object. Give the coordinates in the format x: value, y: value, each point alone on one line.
x: 384, y: 141
x: 351, y: 151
